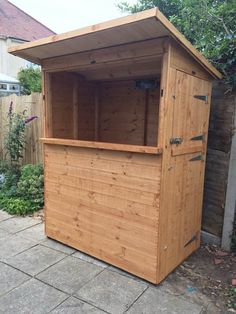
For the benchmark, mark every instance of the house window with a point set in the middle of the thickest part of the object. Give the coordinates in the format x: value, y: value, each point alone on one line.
x: 3, y: 86
x: 13, y: 87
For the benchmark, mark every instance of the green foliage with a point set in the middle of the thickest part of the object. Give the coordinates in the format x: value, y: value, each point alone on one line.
x: 15, y: 136
x: 30, y: 80
x: 30, y: 184
x: 208, y: 24
x: 17, y: 206
x: 12, y: 176
x: 22, y: 190
x: 232, y: 298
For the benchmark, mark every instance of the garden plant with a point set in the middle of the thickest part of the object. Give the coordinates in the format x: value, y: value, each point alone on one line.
x: 21, y: 187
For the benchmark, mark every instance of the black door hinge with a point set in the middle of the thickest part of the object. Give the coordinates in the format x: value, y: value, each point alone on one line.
x: 198, y: 138
x: 176, y: 140
x: 201, y: 97
x: 199, y: 157
x: 195, y: 237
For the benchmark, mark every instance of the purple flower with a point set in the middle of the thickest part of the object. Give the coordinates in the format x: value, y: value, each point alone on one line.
x: 30, y: 119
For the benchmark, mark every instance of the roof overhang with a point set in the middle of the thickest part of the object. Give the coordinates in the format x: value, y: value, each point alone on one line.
x: 133, y: 28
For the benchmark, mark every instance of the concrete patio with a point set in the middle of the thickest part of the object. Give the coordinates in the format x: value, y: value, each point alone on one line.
x: 39, y: 275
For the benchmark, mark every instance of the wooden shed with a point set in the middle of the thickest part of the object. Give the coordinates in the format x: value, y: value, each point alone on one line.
x: 126, y: 121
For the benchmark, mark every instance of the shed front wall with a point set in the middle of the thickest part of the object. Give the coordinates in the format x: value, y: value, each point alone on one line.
x: 105, y: 203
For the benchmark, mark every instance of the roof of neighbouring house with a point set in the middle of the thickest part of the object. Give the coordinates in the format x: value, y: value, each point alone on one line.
x: 8, y: 79
x: 16, y: 23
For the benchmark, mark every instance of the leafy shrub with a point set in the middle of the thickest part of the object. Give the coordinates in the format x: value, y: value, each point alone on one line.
x: 30, y: 80
x: 22, y: 190
x: 30, y: 184
x: 17, y: 206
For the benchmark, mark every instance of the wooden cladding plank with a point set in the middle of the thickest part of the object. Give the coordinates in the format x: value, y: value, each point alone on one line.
x: 103, y: 145
x: 112, y: 253
x: 105, y: 56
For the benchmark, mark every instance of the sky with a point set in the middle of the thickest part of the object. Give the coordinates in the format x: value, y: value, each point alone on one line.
x: 65, y: 15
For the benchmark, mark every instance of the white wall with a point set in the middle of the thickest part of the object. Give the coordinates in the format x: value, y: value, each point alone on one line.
x: 9, y: 64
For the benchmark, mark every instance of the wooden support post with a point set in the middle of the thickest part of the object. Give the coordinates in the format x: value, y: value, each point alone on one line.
x: 146, y: 116
x: 47, y: 91
x: 96, y: 110
x: 75, y: 110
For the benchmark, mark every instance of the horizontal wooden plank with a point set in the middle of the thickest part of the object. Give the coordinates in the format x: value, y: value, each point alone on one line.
x: 150, y: 160
x: 106, y: 55
x: 69, y: 173
x: 143, y: 218
x: 102, y: 145
x: 97, y: 224
x: 110, y: 253
x: 104, y: 189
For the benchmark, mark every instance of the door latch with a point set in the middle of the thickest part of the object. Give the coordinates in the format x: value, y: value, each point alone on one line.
x: 176, y: 140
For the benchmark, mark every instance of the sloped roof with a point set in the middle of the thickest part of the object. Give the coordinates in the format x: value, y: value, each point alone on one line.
x: 17, y: 24
x: 7, y: 79
x: 141, y: 26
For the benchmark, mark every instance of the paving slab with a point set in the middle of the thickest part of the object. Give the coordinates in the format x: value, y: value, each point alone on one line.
x: 70, y: 274
x: 10, y: 278
x: 4, y: 215
x: 36, y: 232
x: 58, y: 246
x: 157, y: 301
x: 111, y: 292
x: 16, y: 224
x: 3, y: 233
x: 14, y: 244
x: 31, y: 297
x: 90, y: 259
x: 75, y: 306
x: 36, y: 259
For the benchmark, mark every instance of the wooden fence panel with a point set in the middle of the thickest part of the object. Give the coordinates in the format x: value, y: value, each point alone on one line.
x: 33, y: 106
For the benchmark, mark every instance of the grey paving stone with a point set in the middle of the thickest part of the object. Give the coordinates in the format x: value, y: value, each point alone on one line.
x: 111, y: 292
x: 16, y: 224
x: 3, y: 233
x: 10, y: 278
x: 75, y: 306
x: 36, y: 232
x: 14, y: 244
x: 157, y: 301
x: 90, y: 259
x: 31, y: 297
x: 58, y: 246
x: 70, y: 274
x: 4, y: 215
x: 36, y: 259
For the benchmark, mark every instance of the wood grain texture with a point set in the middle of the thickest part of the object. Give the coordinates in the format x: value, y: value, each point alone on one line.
x: 122, y: 114
x: 107, y: 205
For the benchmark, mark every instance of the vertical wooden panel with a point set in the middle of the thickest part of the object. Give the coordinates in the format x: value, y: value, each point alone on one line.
x: 122, y: 113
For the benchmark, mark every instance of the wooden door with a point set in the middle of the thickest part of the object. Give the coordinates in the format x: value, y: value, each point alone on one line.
x: 191, y: 112
x: 187, y: 162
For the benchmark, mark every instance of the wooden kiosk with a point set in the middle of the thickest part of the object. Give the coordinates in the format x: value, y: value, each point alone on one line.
x: 126, y: 120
